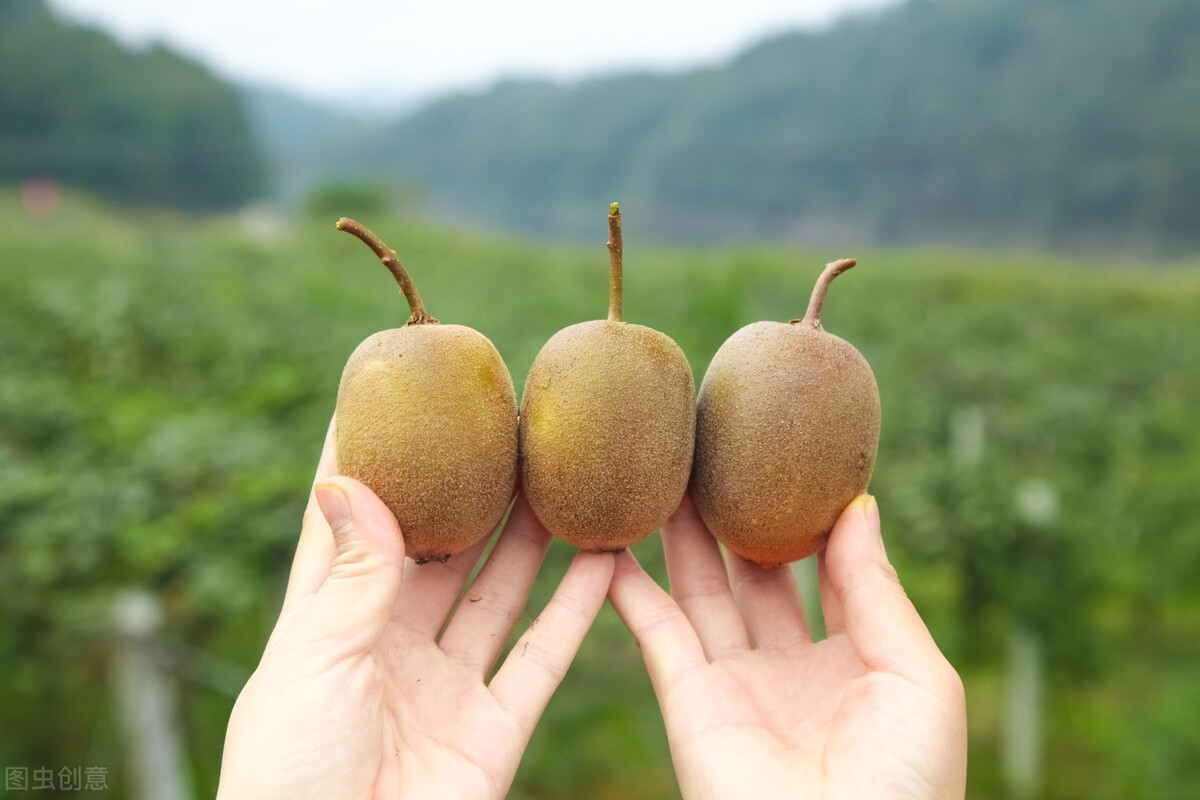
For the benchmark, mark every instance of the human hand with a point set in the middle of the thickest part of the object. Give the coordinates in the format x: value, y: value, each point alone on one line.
x: 754, y: 708
x: 357, y: 695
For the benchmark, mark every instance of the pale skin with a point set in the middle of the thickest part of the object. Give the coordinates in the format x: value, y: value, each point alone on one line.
x: 754, y: 708
x: 375, y: 682
x: 362, y: 694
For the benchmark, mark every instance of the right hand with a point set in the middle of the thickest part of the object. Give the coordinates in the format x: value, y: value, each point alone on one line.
x: 754, y: 708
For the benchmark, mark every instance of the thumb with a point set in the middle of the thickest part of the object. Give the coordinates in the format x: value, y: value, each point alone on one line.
x: 364, y: 580
x: 882, y: 623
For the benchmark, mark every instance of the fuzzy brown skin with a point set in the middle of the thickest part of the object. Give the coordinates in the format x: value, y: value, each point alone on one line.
x: 607, y: 430
x: 787, y: 428
x: 427, y: 418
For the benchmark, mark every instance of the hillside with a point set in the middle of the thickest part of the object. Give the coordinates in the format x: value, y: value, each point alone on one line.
x: 1000, y: 121
x: 300, y: 139
x: 144, y: 126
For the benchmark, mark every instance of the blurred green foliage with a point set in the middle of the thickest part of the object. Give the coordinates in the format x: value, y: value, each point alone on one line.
x: 165, y: 384
x: 144, y: 126
x: 359, y: 197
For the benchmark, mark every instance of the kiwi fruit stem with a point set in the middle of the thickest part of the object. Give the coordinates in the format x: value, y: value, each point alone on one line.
x: 388, y: 256
x: 812, y: 317
x: 615, y: 250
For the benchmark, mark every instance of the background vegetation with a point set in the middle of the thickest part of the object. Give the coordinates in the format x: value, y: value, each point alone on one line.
x: 994, y: 121
x: 998, y: 122
x: 144, y: 127
x: 165, y: 383
x: 166, y: 376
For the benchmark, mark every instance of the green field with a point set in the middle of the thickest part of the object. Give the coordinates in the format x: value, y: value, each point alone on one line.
x: 165, y: 383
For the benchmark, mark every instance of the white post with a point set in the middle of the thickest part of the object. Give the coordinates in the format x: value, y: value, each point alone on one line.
x: 147, y: 702
x: 1037, y: 505
x: 968, y: 432
x: 1023, y: 714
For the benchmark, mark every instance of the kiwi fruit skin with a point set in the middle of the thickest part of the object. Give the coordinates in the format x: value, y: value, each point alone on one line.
x: 607, y: 429
x: 787, y: 431
x: 427, y: 419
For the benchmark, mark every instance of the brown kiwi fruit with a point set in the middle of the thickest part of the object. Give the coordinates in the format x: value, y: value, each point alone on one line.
x: 787, y: 429
x: 607, y: 426
x: 427, y: 418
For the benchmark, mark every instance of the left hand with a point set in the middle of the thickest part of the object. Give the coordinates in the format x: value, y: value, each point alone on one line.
x: 366, y: 690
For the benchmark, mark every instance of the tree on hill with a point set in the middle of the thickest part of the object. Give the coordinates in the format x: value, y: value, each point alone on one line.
x: 993, y: 120
x: 145, y: 126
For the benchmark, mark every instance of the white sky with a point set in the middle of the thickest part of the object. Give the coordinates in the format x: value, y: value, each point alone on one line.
x: 356, y: 48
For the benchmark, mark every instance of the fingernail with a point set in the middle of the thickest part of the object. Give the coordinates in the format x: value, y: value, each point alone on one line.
x: 871, y: 512
x: 334, y: 503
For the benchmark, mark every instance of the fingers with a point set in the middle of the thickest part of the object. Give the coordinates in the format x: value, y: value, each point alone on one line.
x: 870, y: 605
x: 540, y: 658
x: 327, y: 463
x: 700, y: 584
x: 770, y: 604
x: 489, y: 611
x: 831, y: 606
x: 354, y: 603
x: 669, y: 644
x: 430, y: 590
x: 315, y: 550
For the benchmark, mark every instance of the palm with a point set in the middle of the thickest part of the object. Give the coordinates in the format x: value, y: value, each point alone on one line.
x: 375, y: 682
x: 442, y: 727
x: 754, y: 708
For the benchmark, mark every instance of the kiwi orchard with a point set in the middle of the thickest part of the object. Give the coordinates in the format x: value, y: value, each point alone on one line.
x: 167, y: 381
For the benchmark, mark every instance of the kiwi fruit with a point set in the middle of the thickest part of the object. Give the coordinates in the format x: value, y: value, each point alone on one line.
x: 787, y: 429
x: 427, y: 419
x: 607, y: 426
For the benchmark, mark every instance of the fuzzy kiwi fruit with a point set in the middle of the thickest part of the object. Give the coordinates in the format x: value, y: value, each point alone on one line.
x: 427, y: 418
x: 787, y: 429
x: 607, y: 426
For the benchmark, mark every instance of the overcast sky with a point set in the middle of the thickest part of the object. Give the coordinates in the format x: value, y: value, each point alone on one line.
x: 356, y: 48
